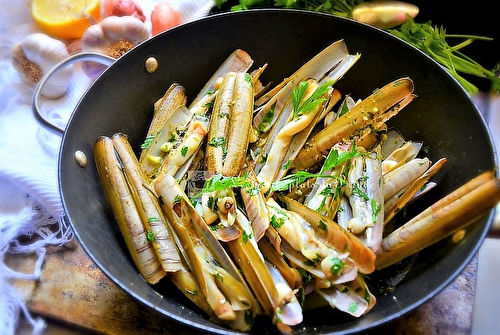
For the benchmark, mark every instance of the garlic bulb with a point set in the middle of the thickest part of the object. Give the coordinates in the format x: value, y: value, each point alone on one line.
x: 113, y: 36
x: 35, y: 56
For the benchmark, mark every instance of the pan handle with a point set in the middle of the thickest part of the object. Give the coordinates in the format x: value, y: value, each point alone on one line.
x: 83, y: 56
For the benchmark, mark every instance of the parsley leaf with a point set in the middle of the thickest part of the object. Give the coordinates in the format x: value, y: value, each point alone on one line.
x: 310, y: 103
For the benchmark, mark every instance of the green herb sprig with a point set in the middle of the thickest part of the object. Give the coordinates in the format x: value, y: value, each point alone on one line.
x: 432, y: 40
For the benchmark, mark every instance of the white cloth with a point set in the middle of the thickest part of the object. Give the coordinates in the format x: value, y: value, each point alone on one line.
x: 30, y: 203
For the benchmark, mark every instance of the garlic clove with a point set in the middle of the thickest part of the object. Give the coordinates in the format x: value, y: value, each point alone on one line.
x: 35, y: 55
x: 113, y: 36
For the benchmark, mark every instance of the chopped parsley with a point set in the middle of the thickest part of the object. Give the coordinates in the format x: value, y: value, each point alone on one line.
x: 337, y: 266
x: 218, y: 142
x: 353, y: 307
x: 376, y: 208
x: 277, y: 222
x: 153, y: 219
x: 148, y: 141
x: 322, y: 225
x: 150, y: 236
x: 248, y: 78
x: 357, y: 191
x: 287, y: 165
x: 184, y: 151
x: 266, y: 121
x: 246, y: 236
x: 177, y: 199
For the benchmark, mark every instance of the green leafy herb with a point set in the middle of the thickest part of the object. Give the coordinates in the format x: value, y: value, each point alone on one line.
x: 218, y: 142
x: 376, y: 208
x: 322, y: 225
x: 153, y: 219
x: 266, y: 121
x: 222, y: 115
x: 430, y: 39
x: 246, y: 236
x: 301, y: 107
x: 172, y: 138
x: 248, y: 78
x: 277, y: 222
x: 337, y: 266
x: 150, y: 236
x: 177, y: 199
x: 184, y: 151
x: 219, y: 183
x: 263, y: 158
x: 314, y: 261
x: 433, y: 41
x: 353, y: 307
x: 357, y: 191
x: 287, y: 165
x: 255, y: 189
x: 148, y: 141
x: 296, y: 179
x: 335, y: 159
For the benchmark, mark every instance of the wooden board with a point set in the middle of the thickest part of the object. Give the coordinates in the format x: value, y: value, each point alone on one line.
x: 72, y: 289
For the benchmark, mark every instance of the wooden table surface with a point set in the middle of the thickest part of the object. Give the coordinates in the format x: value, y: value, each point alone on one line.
x: 73, y: 290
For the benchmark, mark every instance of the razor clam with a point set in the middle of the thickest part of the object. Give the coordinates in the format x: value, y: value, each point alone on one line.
x: 185, y: 282
x: 174, y: 97
x: 158, y: 145
x: 401, y: 177
x: 365, y: 193
x: 187, y: 147
x: 247, y: 255
x: 125, y: 211
x: 148, y: 206
x: 291, y: 124
x: 346, y: 105
x: 219, y: 212
x: 219, y: 279
x: 274, y: 257
x: 308, y: 250
x: 331, y: 232
x: 318, y: 68
x: 449, y: 214
x: 237, y: 61
x: 230, y: 125
x: 344, y: 212
x: 255, y: 204
x: 290, y: 311
x: 408, y: 151
x: 353, y: 298
x: 368, y: 113
x: 326, y: 193
x: 410, y: 191
x: 393, y: 140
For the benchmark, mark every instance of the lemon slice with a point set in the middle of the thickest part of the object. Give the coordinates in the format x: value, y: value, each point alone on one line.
x: 65, y: 19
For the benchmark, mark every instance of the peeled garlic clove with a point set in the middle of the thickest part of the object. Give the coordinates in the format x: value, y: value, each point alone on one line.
x: 113, y: 36
x: 384, y: 14
x: 35, y: 56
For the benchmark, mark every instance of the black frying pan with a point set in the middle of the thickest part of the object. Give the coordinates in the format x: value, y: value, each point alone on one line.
x: 442, y: 116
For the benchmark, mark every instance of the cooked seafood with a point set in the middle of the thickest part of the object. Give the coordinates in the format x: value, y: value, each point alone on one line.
x: 297, y: 193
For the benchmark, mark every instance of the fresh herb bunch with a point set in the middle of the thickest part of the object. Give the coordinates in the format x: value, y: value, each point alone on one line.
x: 433, y: 41
x: 430, y: 39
